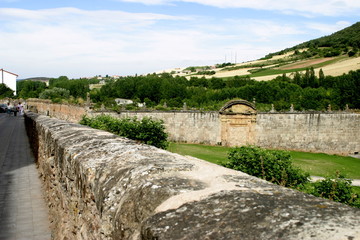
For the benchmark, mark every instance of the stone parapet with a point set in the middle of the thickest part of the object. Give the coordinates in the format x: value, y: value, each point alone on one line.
x: 68, y: 112
x: 101, y: 186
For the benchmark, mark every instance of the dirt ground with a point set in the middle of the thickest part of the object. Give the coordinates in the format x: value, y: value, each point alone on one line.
x: 306, y: 63
x: 342, y: 67
x: 335, y: 69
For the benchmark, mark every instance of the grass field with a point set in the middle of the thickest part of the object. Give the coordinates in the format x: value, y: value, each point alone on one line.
x: 317, y: 164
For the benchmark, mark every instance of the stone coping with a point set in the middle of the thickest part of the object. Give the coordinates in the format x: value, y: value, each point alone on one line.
x: 101, y: 186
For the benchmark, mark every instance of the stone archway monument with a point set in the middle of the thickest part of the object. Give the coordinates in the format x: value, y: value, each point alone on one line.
x: 238, y: 120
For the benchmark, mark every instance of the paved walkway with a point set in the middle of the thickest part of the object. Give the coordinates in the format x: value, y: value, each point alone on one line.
x: 23, y: 211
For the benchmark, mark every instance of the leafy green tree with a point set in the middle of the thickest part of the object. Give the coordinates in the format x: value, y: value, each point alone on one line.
x: 5, y: 91
x: 297, y: 79
x: 238, y: 81
x: 349, y: 89
x: 217, y: 83
x: 171, y: 89
x: 30, y: 89
x: 313, y: 80
x: 150, y: 88
x: 78, y: 88
x: 199, y: 82
x: 55, y: 94
x: 321, y: 77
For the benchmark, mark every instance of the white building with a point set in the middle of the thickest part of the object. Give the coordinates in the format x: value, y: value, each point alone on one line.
x: 121, y: 101
x: 9, y: 79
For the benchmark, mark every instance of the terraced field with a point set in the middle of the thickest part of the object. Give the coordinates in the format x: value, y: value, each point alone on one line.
x: 264, y: 70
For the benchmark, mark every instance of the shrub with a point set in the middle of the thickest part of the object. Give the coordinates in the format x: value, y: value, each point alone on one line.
x: 272, y: 165
x: 147, y: 130
x: 55, y: 94
x: 337, y: 189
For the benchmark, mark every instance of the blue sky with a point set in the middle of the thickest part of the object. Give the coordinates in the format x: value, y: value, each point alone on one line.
x: 80, y: 38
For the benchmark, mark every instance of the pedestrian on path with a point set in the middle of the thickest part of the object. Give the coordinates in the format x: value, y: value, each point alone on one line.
x: 20, y: 108
x: 15, y: 110
x: 9, y: 108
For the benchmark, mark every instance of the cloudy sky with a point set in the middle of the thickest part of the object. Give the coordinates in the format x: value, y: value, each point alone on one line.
x: 80, y: 38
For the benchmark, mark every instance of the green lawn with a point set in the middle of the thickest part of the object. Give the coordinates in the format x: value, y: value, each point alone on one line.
x: 321, y: 164
x: 214, y: 154
x: 317, y: 164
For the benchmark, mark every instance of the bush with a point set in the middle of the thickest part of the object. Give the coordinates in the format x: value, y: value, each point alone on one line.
x: 272, y: 165
x: 55, y: 94
x: 337, y: 189
x: 147, y: 130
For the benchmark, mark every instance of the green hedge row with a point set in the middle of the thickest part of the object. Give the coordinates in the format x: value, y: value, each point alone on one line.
x: 147, y: 130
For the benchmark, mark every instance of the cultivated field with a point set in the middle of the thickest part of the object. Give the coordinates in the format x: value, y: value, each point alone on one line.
x: 333, y: 66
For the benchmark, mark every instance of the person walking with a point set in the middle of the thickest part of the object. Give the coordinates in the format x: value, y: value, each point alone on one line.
x: 9, y: 108
x: 15, y: 110
x: 20, y: 108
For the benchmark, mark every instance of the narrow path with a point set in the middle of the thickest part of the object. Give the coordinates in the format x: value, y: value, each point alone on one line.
x: 23, y: 211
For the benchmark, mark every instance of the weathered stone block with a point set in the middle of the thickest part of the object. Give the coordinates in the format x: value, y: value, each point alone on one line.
x: 101, y: 186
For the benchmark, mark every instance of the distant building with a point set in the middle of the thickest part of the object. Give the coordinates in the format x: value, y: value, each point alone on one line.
x: 9, y: 79
x: 121, y: 101
x: 98, y: 85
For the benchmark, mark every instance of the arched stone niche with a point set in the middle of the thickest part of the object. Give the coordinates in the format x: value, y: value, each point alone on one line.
x: 238, y: 119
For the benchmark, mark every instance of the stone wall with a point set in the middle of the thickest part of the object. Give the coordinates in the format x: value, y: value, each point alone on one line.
x: 68, y: 112
x: 101, y: 186
x: 236, y: 125
x: 336, y: 133
x: 184, y: 126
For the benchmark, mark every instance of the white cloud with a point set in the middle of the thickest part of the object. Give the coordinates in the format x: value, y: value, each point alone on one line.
x: 150, y: 2
x: 325, y: 29
x: 59, y: 39
x: 77, y: 43
x: 298, y: 7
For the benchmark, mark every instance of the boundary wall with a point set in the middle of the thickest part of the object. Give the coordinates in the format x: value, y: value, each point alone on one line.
x: 238, y: 124
x: 333, y: 133
x: 101, y: 186
x: 183, y: 126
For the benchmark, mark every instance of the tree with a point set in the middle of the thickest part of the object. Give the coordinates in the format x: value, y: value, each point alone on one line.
x: 5, y: 91
x: 55, y: 94
x: 217, y: 83
x: 198, y: 82
x: 30, y: 89
x: 297, y: 79
x: 321, y: 77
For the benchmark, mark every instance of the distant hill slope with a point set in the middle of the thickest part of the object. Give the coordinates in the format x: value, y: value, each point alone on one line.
x: 40, y: 79
x: 335, y: 54
x: 346, y: 38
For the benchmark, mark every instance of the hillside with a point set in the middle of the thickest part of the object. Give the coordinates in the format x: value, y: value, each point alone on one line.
x: 39, y: 79
x: 347, y: 38
x: 335, y: 54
